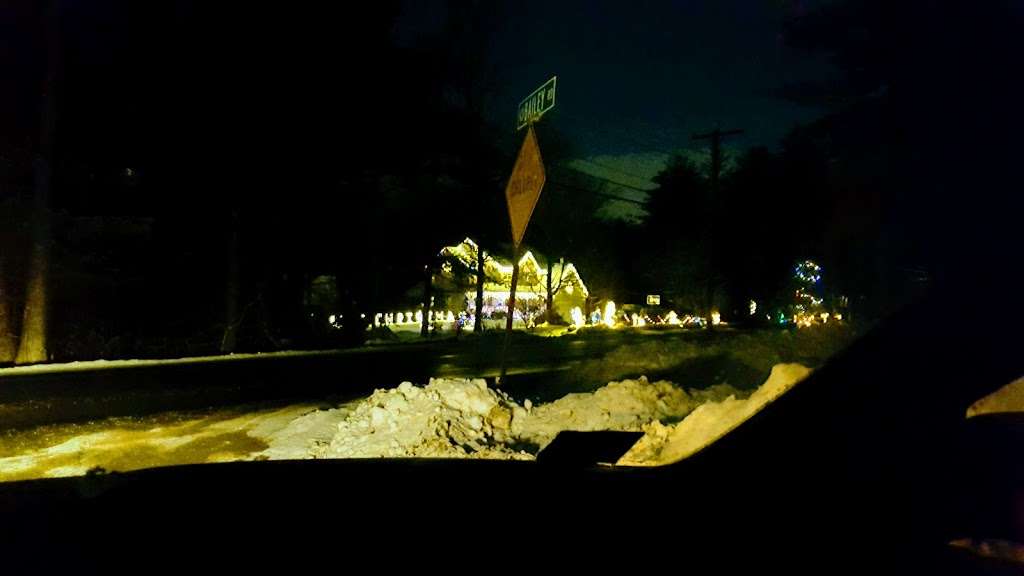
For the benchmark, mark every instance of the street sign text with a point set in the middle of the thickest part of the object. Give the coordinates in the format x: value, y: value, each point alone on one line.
x: 536, y: 104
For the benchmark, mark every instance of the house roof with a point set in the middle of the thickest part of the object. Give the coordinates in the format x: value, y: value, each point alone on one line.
x: 466, y: 253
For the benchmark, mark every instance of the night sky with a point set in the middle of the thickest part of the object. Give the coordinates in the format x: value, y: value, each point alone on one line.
x: 634, y: 83
x: 644, y: 78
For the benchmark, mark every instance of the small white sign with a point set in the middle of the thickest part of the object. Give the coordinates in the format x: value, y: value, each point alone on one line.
x: 654, y: 299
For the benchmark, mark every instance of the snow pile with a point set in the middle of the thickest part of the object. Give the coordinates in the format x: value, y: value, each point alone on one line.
x: 458, y: 418
x: 664, y: 444
x: 445, y: 419
x: 626, y: 406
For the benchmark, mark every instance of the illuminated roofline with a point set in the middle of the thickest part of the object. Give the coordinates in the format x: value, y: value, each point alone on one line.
x: 526, y: 257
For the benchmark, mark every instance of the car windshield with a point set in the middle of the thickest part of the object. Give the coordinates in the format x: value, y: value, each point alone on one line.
x: 457, y: 229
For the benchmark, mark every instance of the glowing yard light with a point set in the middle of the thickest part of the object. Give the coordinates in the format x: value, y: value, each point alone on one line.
x: 672, y: 318
x: 609, y: 314
x: 577, y: 317
x: 398, y: 318
x: 803, y: 319
x: 753, y: 307
x: 716, y: 318
x: 331, y: 318
x: 419, y: 316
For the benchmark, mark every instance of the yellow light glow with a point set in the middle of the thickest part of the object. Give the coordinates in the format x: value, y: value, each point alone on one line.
x: 331, y: 318
x: 753, y: 307
x: 419, y: 316
x: 803, y: 319
x: 399, y: 319
x: 609, y: 314
x: 716, y: 318
x: 839, y: 316
x: 503, y: 295
x: 672, y: 318
x: 824, y: 316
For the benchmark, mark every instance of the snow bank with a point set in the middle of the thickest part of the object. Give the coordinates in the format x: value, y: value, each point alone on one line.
x: 626, y: 406
x: 445, y: 419
x: 300, y: 434
x: 459, y: 418
x: 664, y: 444
x: 1009, y: 398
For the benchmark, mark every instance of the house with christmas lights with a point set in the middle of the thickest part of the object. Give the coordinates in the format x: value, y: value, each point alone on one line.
x: 454, y: 287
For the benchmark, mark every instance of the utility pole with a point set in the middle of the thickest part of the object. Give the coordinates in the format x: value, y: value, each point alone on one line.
x: 716, y: 170
x: 716, y: 152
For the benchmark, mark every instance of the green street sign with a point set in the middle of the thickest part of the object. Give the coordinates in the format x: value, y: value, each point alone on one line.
x: 536, y: 104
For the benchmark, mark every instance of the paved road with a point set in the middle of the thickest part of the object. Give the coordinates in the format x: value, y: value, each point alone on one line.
x: 31, y: 398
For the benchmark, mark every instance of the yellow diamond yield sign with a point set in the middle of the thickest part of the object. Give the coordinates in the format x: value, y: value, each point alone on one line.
x: 524, y: 186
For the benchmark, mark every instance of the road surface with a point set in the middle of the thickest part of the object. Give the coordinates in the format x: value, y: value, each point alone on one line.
x: 86, y: 391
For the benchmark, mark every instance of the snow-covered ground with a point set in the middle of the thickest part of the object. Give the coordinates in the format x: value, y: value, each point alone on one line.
x: 124, y: 444
x: 446, y: 418
x: 134, y: 363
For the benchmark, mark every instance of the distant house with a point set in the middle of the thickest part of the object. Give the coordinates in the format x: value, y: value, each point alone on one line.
x: 457, y: 281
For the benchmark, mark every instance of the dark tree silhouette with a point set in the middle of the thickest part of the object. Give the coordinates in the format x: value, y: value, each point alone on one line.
x: 678, y: 256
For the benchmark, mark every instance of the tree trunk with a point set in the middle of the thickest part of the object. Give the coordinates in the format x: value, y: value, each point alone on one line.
x: 512, y: 293
x: 478, y: 321
x: 8, y: 337
x: 32, y: 345
x: 428, y: 281
x: 551, y: 297
x: 709, y: 305
x: 509, y: 316
x: 232, y: 321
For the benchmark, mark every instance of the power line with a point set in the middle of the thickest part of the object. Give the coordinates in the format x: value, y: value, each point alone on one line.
x: 602, y: 194
x: 664, y: 144
x: 606, y: 167
x: 624, y: 185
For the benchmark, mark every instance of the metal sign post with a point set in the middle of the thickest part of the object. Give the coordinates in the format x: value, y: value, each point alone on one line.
x: 523, y: 191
